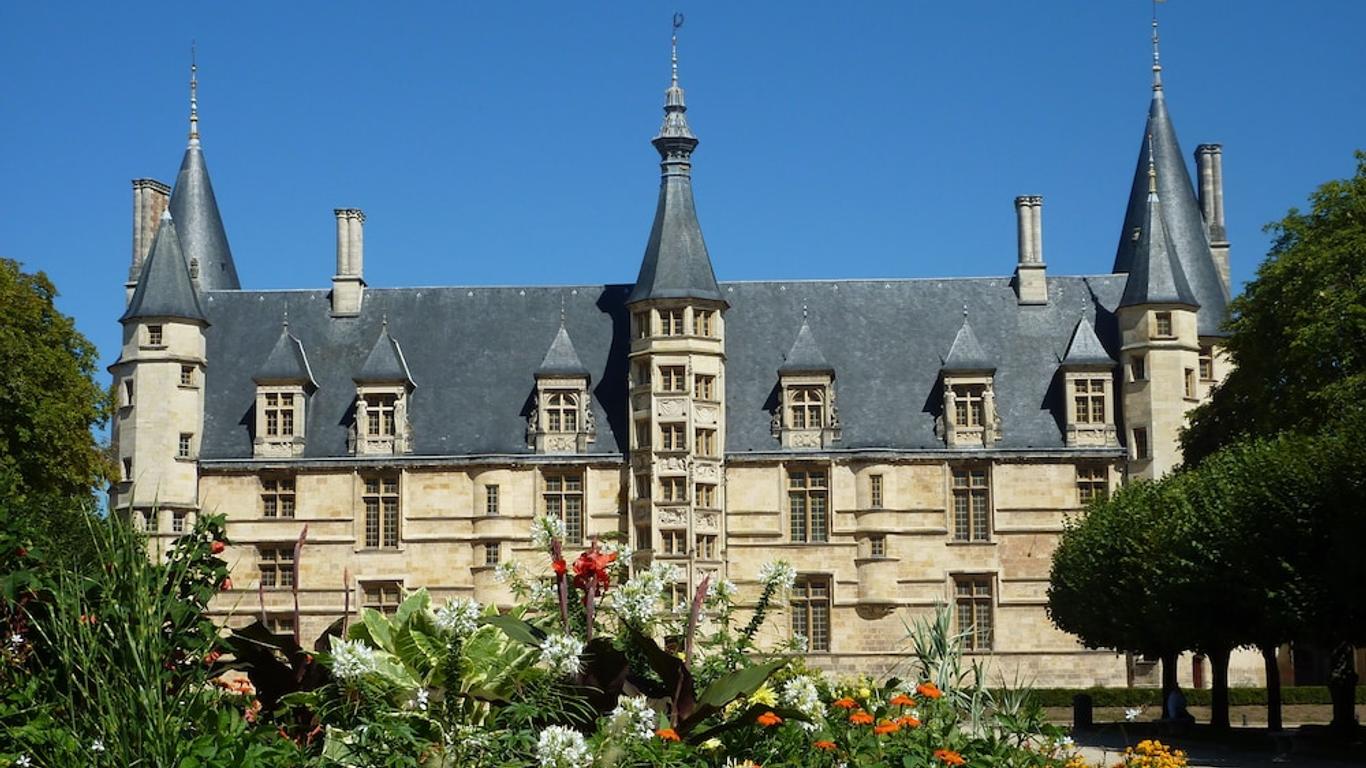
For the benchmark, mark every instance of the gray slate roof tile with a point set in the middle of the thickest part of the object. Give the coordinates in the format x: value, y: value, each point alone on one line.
x: 164, y: 288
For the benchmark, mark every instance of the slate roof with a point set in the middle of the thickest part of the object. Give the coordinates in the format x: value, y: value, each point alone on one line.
x: 1155, y: 274
x: 195, y: 210
x: 1085, y: 347
x: 805, y: 356
x: 385, y: 364
x: 966, y: 353
x: 164, y: 288
x: 466, y: 347
x: 561, y: 359
x: 286, y: 362
x: 1181, y: 215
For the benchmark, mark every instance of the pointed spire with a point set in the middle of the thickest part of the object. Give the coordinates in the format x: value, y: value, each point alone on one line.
x: 1156, y: 276
x: 805, y: 356
x: 1085, y: 348
x: 676, y: 264
x: 203, y: 239
x: 194, y: 96
x: 287, y: 363
x: 164, y: 287
x: 385, y: 364
x: 966, y: 353
x: 561, y: 359
x: 1157, y: 58
x: 1180, y: 214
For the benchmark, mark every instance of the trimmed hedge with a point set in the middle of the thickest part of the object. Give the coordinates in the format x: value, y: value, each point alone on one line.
x: 1199, y: 697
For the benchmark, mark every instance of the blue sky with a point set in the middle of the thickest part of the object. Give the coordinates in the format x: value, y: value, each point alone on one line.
x: 497, y: 143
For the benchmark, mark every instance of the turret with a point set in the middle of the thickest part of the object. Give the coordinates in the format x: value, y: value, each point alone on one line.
x: 159, y: 380
x: 677, y: 370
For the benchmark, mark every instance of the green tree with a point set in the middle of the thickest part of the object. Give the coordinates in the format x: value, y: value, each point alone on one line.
x: 1111, y: 583
x: 49, y: 401
x: 1298, y: 331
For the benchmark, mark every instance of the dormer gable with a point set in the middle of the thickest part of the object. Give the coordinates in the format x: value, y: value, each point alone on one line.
x: 383, y: 389
x: 561, y: 420
x: 968, y: 374
x: 807, y: 416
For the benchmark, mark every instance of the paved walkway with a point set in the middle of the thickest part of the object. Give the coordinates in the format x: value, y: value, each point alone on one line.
x: 1255, y: 749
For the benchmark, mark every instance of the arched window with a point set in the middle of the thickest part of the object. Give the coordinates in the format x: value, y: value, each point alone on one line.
x: 807, y: 407
x: 562, y: 413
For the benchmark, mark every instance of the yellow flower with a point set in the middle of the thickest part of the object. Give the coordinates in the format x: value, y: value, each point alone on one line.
x: 710, y: 745
x: 765, y: 696
x: 864, y: 693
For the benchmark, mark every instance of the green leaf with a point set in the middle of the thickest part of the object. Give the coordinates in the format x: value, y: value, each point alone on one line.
x: 742, y: 682
x: 381, y: 634
x: 416, y: 603
x: 516, y: 629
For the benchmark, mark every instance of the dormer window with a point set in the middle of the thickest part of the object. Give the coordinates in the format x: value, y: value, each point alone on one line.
x: 969, y: 418
x: 282, y: 386
x: 806, y: 417
x: 383, y: 391
x: 379, y: 415
x: 1088, y: 382
x: 968, y: 410
x: 806, y: 407
x: 562, y: 421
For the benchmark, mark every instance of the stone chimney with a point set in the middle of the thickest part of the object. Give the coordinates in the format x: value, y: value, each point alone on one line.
x: 348, y: 285
x: 1031, y: 283
x: 150, y: 198
x: 1209, y: 160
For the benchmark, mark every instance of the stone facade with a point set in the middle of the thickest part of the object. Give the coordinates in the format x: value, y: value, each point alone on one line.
x: 894, y: 482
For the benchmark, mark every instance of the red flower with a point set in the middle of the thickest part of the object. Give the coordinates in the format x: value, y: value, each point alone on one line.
x: 226, y: 585
x: 846, y: 703
x: 558, y: 566
x: 948, y: 757
x: 216, y: 547
x: 908, y: 722
x: 902, y: 700
x: 828, y: 746
x: 928, y: 690
x: 860, y: 718
x: 253, y: 711
x: 211, y: 657
x: 885, y: 727
x: 89, y: 618
x: 667, y: 734
x: 768, y: 719
x: 591, y: 568
x: 21, y: 552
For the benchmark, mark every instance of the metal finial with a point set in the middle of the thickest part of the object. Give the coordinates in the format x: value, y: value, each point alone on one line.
x: 384, y: 323
x: 1157, y: 59
x: 965, y: 311
x: 677, y: 22
x: 561, y: 310
x: 803, y: 311
x: 1152, y: 168
x: 284, y: 321
x: 194, y: 93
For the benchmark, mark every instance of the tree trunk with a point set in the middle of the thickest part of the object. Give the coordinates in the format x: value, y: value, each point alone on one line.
x: 1169, y: 679
x: 1218, y: 661
x: 1342, y: 683
x: 1273, y: 688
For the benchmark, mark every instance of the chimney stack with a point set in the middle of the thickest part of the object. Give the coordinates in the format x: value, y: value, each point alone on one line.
x: 150, y: 198
x: 1031, y: 284
x: 1209, y: 160
x: 348, y: 284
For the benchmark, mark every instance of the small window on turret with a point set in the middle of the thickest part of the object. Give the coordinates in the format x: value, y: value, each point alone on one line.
x: 702, y: 322
x: 671, y: 322
x: 1162, y: 325
x: 154, y: 336
x: 1207, y: 363
x: 187, y: 375
x: 642, y: 320
x: 128, y: 391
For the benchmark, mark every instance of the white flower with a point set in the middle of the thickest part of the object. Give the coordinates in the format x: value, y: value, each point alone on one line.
x: 23, y: 761
x: 800, y: 644
x: 560, y: 747
x: 710, y: 745
x: 352, y: 659
x: 506, y: 572
x: 800, y: 694
x: 459, y: 616
x: 421, y: 699
x: 1066, y: 742
x: 97, y: 746
x: 16, y: 640
x: 1131, y: 714
x: 721, y: 589
x: 621, y: 549
x: 778, y: 574
x: 637, y: 600
x: 545, y: 530
x: 541, y: 591
x: 561, y: 653
x: 632, y: 719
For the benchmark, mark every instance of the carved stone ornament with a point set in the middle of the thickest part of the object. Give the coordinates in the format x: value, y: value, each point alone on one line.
x: 561, y: 443
x: 775, y: 424
x: 705, y: 471
x: 706, y: 414
x: 673, y: 516
x: 806, y: 439
x: 673, y: 464
x: 673, y: 407
x: 707, y: 520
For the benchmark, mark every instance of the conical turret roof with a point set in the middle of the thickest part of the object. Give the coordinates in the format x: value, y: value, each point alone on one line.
x: 561, y: 359
x: 1155, y: 274
x: 164, y: 288
x: 676, y: 263
x: 203, y: 239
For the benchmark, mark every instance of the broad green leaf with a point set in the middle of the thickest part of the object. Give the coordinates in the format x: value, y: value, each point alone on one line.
x: 742, y: 682
x: 381, y: 633
x: 516, y: 629
x: 417, y: 602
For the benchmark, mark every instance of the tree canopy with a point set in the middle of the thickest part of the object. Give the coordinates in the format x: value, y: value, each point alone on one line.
x: 49, y: 401
x: 1298, y: 331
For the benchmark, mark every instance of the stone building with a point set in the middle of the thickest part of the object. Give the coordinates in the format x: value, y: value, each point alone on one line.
x: 902, y: 442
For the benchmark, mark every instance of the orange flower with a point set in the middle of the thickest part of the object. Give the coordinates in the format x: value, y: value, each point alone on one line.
x: 89, y: 618
x: 846, y: 703
x: 948, y: 757
x: 828, y: 746
x: 861, y: 718
x: 885, y: 727
x: 559, y: 566
x: 907, y: 721
x: 211, y: 657
x: 216, y: 547
x: 667, y: 734
x: 928, y: 690
x: 768, y: 719
x: 902, y: 700
x: 252, y: 711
